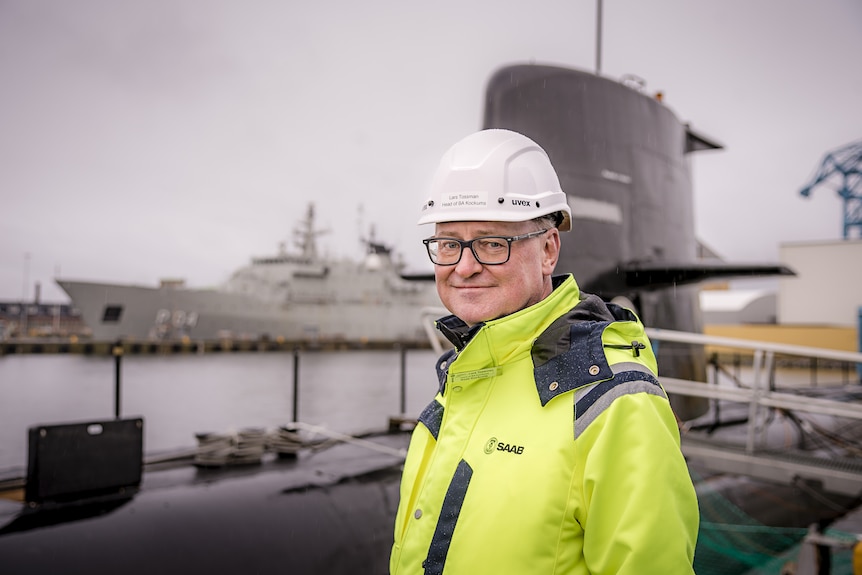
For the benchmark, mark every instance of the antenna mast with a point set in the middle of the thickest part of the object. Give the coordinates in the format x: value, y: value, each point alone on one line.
x: 598, y: 37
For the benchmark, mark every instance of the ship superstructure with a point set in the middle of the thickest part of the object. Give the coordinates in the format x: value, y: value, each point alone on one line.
x: 293, y: 295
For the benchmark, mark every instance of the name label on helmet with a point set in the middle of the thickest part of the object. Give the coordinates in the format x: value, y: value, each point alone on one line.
x: 462, y: 199
x: 521, y: 203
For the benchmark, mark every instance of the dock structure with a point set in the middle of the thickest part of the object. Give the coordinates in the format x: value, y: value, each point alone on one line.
x: 190, y: 346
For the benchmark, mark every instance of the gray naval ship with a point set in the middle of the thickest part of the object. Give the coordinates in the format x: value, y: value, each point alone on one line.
x: 291, y: 295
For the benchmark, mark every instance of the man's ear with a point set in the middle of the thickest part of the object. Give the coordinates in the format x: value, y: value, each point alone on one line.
x: 550, y: 251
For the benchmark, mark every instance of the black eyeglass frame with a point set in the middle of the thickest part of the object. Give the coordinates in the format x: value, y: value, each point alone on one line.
x: 469, y: 244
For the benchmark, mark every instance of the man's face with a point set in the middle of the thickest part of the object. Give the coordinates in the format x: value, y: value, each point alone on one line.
x: 476, y: 292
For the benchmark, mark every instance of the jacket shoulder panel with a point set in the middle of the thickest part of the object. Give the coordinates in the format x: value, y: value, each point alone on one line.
x: 570, y: 354
x: 582, y: 364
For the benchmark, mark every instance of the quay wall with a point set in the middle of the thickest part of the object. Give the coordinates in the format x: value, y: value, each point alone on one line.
x: 189, y: 346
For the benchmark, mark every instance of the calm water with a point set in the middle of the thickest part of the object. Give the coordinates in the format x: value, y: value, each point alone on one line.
x: 181, y: 395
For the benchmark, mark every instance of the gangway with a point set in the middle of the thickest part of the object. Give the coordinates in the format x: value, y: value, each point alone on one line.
x: 746, y: 445
x: 750, y: 449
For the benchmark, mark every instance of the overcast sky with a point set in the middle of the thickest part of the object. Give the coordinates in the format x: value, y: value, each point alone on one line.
x: 177, y: 138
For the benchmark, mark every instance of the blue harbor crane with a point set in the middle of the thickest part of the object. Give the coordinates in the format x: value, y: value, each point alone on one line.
x: 846, y: 163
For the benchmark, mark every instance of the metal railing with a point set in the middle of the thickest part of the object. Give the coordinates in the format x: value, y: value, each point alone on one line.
x: 759, y: 397
x: 758, y: 394
x: 296, y: 387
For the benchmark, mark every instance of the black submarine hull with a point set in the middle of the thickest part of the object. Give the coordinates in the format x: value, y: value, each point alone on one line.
x: 326, y: 511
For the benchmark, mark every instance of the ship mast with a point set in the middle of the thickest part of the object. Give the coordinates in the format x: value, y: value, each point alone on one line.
x: 306, y: 235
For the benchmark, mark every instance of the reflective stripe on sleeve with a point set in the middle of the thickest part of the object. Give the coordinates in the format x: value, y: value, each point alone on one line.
x: 592, y: 401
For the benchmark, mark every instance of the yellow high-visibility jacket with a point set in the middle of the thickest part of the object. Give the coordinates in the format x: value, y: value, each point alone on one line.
x: 550, y: 448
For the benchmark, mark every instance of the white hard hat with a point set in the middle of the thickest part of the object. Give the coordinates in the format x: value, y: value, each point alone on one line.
x: 495, y: 176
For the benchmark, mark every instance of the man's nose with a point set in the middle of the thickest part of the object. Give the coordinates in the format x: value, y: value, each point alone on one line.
x: 468, y: 265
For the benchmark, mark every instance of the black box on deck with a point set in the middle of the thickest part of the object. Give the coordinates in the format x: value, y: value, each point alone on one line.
x: 84, y: 459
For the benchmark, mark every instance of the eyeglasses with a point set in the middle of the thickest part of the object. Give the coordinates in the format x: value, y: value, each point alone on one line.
x: 488, y: 250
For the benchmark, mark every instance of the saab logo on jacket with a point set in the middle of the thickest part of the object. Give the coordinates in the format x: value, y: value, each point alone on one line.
x: 493, y: 444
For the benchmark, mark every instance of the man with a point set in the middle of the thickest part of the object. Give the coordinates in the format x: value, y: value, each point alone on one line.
x: 550, y: 446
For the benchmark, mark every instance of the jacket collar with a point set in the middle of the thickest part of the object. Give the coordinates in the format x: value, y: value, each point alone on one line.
x: 567, y: 354
x: 460, y: 334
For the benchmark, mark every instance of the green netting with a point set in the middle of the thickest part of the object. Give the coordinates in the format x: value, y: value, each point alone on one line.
x: 730, y: 542
x: 842, y: 563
